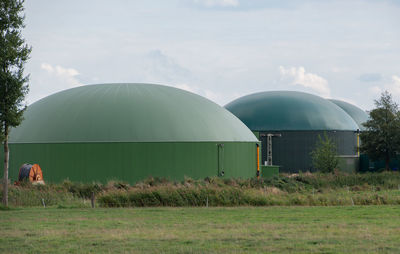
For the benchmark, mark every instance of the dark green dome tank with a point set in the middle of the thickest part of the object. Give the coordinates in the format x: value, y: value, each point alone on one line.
x: 130, y: 132
x: 297, y: 120
x: 358, y: 115
x: 290, y: 110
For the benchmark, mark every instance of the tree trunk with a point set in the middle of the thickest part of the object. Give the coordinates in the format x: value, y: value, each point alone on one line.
x: 387, y: 160
x: 5, y: 179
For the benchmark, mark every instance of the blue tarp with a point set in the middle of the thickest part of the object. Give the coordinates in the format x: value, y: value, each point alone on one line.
x: 24, y: 172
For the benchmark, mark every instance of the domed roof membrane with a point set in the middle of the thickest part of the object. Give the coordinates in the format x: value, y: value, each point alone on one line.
x: 358, y: 115
x: 289, y: 110
x: 128, y: 113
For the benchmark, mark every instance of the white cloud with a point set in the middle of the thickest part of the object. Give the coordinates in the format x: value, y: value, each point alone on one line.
x: 336, y: 69
x: 211, y: 95
x: 207, y: 93
x: 221, y: 3
x: 159, y: 67
x: 188, y: 88
x: 51, y: 79
x: 67, y: 75
x: 299, y: 76
x: 375, y: 90
x: 395, y: 85
x: 47, y: 67
x: 392, y: 86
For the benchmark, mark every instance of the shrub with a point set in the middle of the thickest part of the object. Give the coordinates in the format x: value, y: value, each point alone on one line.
x: 324, y: 156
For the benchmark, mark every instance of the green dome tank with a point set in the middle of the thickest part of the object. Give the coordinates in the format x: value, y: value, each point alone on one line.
x: 128, y: 113
x: 358, y: 115
x: 297, y: 120
x: 290, y: 110
x: 129, y: 132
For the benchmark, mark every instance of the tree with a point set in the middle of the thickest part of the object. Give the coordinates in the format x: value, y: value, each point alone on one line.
x: 381, y: 139
x: 14, y: 52
x: 324, y: 156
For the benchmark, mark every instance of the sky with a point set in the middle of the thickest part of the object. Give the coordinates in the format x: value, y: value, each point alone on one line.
x: 219, y: 49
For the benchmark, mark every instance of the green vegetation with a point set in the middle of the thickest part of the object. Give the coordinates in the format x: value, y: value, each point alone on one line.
x: 14, y: 52
x: 303, y: 189
x: 324, y: 156
x: 356, y: 229
x: 238, y: 197
x: 312, y: 228
x: 381, y: 139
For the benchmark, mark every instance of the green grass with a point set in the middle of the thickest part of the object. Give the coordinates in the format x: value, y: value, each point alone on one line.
x: 351, y: 229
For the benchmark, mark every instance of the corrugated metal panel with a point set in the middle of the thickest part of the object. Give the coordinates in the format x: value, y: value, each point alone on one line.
x: 87, y: 162
x: 128, y: 113
x: 292, y: 150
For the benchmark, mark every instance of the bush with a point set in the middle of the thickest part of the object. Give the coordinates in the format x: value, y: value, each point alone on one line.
x: 83, y: 190
x: 324, y: 156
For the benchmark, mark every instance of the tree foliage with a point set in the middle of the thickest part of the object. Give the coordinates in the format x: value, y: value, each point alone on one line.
x: 381, y: 139
x: 324, y: 156
x: 14, y: 52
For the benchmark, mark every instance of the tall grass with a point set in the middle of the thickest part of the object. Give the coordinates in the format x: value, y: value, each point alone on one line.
x: 297, y: 189
x: 229, y: 196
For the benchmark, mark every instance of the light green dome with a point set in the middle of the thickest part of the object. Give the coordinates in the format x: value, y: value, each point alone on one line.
x: 358, y: 115
x: 128, y: 113
x: 289, y: 110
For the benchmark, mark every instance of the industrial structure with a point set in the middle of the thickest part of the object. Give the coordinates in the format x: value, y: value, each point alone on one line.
x: 358, y: 115
x: 361, y: 117
x: 129, y: 132
x: 288, y: 124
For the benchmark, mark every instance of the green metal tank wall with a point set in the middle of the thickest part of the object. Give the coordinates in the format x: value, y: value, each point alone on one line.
x: 129, y: 132
x: 131, y: 162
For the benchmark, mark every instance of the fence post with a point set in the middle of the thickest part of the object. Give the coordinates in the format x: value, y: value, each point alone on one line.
x: 92, y: 200
x: 43, y: 203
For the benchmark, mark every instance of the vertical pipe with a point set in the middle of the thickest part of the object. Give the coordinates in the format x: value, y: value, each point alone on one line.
x: 258, y: 161
x: 221, y: 171
x: 358, y: 144
x: 269, y: 149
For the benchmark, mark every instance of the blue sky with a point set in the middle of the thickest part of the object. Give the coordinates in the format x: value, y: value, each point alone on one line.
x: 220, y: 49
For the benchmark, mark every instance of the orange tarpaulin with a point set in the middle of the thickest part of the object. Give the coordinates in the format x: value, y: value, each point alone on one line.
x: 36, y: 173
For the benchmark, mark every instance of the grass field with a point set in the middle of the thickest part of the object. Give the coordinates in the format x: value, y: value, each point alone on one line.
x: 351, y: 229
